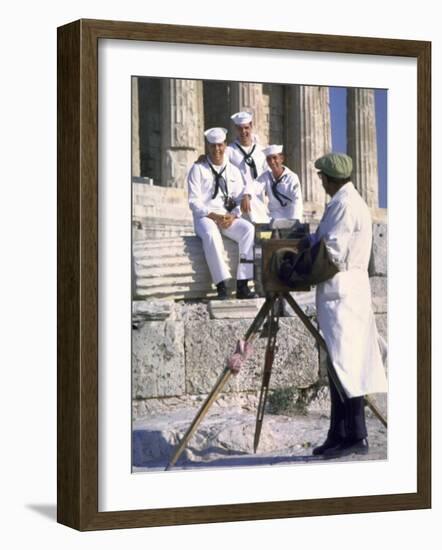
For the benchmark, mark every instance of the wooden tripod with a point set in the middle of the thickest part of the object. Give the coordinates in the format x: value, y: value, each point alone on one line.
x: 270, y: 311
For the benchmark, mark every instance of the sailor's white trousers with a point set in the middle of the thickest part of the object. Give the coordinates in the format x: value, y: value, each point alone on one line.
x: 241, y: 231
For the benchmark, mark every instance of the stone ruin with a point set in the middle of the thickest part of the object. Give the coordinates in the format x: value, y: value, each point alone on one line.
x: 181, y: 337
x: 180, y: 346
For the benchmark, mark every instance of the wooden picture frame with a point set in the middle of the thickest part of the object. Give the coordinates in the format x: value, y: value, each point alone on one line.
x: 78, y: 274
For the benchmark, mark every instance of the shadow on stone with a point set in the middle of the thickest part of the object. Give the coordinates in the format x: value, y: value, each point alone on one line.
x: 150, y: 448
x: 248, y: 460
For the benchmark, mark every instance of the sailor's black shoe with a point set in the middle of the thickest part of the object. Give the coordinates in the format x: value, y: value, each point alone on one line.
x: 243, y: 292
x: 346, y: 448
x: 221, y: 290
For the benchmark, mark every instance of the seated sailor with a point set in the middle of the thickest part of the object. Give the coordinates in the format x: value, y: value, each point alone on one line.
x: 215, y: 188
x: 281, y: 186
x: 246, y: 154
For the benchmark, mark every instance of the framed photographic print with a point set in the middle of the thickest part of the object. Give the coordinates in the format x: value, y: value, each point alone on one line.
x: 155, y: 424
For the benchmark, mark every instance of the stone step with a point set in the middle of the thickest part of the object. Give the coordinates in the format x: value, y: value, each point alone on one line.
x: 176, y: 268
x: 170, y: 270
x: 176, y: 292
x: 171, y: 266
x: 190, y: 279
x: 165, y: 211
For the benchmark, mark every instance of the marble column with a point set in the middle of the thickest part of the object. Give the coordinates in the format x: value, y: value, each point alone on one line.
x: 182, y: 138
x: 136, y: 165
x: 246, y: 96
x: 361, y: 142
x: 274, y: 95
x: 308, y: 136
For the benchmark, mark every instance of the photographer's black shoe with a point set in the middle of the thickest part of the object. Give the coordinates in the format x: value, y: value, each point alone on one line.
x: 346, y: 448
x: 221, y: 290
x: 243, y: 292
x: 329, y: 443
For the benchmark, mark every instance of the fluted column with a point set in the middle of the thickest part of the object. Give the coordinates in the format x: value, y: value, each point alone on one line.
x: 136, y: 166
x: 308, y: 137
x: 361, y: 143
x: 182, y: 138
x: 246, y: 96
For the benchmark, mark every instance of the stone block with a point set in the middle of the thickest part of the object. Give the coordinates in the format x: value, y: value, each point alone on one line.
x: 152, y: 310
x: 158, y: 359
x: 209, y: 344
x: 381, y: 399
x: 379, y: 257
x: 193, y: 311
x: 382, y: 325
x: 379, y: 294
x: 235, y: 309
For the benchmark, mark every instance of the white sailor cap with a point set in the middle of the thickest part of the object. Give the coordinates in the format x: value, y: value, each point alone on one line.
x: 216, y: 135
x: 242, y: 118
x: 272, y: 150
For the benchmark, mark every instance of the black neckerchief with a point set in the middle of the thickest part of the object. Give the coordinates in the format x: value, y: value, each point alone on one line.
x: 249, y: 160
x: 278, y: 195
x: 218, y: 178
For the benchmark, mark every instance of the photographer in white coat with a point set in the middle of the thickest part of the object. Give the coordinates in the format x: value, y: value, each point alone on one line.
x: 215, y: 189
x: 344, y: 309
x: 247, y: 155
x: 281, y: 186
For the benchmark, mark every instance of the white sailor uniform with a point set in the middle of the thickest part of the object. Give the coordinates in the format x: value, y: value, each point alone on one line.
x: 251, y: 162
x: 284, y: 194
x: 204, y: 197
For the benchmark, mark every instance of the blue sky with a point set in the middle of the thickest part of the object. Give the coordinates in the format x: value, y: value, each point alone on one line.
x: 338, y: 108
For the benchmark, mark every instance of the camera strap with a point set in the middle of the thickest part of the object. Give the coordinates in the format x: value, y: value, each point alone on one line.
x: 249, y: 160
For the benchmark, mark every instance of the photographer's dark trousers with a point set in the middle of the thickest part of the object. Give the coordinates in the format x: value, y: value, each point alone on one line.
x: 347, y: 418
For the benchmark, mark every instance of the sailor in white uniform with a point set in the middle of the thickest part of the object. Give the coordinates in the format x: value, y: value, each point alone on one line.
x: 281, y: 186
x: 344, y: 309
x: 215, y: 189
x: 246, y: 154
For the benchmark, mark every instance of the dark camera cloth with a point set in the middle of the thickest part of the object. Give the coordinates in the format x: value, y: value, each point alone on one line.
x: 310, y: 266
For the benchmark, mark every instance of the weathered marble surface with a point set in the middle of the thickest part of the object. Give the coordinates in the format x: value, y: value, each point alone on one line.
x: 379, y: 293
x: 379, y: 263
x: 176, y: 268
x: 225, y: 439
x: 235, y: 309
x: 361, y: 142
x: 158, y: 368
x: 208, y: 345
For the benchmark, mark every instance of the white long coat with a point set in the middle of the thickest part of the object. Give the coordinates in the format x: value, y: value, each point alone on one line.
x: 343, y: 303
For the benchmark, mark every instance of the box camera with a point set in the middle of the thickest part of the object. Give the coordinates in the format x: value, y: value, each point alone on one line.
x: 270, y: 238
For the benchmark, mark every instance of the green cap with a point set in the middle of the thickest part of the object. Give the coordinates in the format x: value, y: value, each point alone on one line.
x: 335, y: 165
